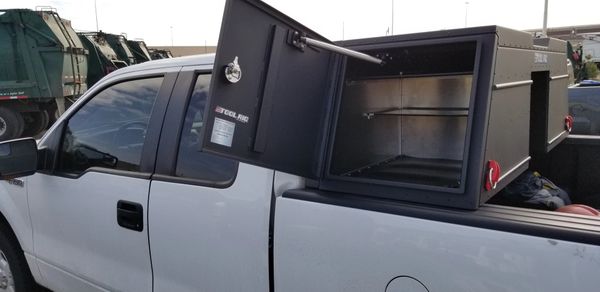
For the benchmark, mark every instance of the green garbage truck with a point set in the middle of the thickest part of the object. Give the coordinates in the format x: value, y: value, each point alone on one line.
x: 43, y: 68
x: 102, y: 59
x: 158, y: 54
x: 118, y: 43
x: 139, y: 50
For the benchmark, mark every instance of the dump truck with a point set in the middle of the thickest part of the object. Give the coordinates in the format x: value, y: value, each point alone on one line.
x: 102, y: 59
x: 119, y: 44
x: 139, y: 50
x: 158, y: 54
x: 43, y: 68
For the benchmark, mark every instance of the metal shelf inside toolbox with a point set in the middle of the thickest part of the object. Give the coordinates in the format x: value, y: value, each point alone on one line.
x: 437, y: 172
x: 420, y: 111
x: 415, y: 109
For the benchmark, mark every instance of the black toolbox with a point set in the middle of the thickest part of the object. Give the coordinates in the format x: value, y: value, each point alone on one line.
x: 447, y: 117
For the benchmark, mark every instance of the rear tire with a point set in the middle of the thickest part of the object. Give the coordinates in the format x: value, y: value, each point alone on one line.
x: 14, y: 271
x: 11, y: 124
x: 35, y: 123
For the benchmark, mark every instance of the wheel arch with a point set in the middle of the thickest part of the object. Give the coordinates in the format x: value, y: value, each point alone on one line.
x: 29, y: 262
x: 16, y: 222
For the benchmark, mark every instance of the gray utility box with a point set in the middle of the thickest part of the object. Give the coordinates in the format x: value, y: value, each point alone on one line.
x: 446, y: 119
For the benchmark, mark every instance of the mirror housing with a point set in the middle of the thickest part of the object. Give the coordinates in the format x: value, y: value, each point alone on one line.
x: 18, y: 158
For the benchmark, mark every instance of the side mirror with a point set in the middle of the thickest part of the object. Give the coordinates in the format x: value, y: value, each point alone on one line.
x: 18, y: 158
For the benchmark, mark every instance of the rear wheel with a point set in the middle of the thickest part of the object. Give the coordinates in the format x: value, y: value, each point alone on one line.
x: 35, y: 123
x: 11, y: 124
x: 14, y: 272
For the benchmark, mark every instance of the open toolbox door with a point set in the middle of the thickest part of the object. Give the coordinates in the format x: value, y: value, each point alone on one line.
x: 270, y: 94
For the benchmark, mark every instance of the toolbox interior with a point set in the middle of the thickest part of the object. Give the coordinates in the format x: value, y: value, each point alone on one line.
x: 406, y: 121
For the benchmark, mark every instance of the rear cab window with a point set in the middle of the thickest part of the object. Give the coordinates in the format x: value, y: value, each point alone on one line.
x: 191, y: 162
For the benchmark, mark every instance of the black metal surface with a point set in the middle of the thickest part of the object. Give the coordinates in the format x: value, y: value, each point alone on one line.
x: 169, y: 142
x: 431, y: 58
x: 156, y: 122
x: 285, y: 112
x: 539, y: 111
x: 436, y: 172
x: 266, y: 104
x: 451, y: 33
x: 283, y: 91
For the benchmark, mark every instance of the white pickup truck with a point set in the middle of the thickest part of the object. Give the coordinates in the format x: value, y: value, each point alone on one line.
x: 122, y: 194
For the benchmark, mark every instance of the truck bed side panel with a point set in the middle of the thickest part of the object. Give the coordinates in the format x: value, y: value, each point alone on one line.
x: 348, y: 249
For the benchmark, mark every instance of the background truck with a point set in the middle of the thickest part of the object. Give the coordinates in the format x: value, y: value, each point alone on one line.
x: 102, y: 59
x: 120, y: 45
x: 584, y: 106
x: 137, y: 187
x: 139, y: 50
x: 43, y: 67
x: 158, y: 54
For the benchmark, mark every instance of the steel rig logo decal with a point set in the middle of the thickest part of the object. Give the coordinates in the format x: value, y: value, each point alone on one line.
x: 238, y: 117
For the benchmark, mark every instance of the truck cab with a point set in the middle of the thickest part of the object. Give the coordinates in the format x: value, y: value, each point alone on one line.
x: 133, y: 188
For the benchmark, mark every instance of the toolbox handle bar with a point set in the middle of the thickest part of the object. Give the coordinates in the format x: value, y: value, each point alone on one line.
x: 340, y: 50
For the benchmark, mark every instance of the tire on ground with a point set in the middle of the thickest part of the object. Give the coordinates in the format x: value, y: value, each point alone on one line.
x: 35, y: 123
x: 11, y: 124
x: 12, y: 256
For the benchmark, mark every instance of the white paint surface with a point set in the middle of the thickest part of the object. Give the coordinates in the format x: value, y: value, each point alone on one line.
x: 322, y: 247
x: 76, y: 235
x: 207, y: 239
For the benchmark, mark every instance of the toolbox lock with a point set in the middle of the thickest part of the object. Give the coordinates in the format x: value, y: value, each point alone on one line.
x: 493, y: 175
x: 233, y: 71
x: 569, y: 123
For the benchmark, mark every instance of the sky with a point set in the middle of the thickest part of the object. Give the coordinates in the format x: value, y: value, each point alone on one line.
x: 196, y: 23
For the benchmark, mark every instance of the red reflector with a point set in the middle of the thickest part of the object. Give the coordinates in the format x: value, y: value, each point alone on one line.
x: 569, y: 123
x: 492, y: 175
x: 13, y: 97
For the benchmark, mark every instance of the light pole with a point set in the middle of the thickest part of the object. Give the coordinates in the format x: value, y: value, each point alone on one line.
x: 545, y: 26
x: 392, y: 17
x: 171, y: 35
x: 466, y: 12
x: 96, y: 11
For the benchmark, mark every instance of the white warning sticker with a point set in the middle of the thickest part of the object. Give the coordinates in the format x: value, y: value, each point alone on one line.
x: 222, y: 132
x: 540, y: 58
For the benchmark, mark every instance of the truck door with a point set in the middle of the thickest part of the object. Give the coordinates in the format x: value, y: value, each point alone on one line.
x: 208, y: 215
x: 89, y: 204
x: 270, y: 94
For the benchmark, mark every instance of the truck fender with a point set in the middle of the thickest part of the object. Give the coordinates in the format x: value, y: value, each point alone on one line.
x: 15, y: 219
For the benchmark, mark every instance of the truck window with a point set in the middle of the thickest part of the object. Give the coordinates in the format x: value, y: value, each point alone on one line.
x: 109, y: 130
x: 584, y: 106
x: 191, y: 163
